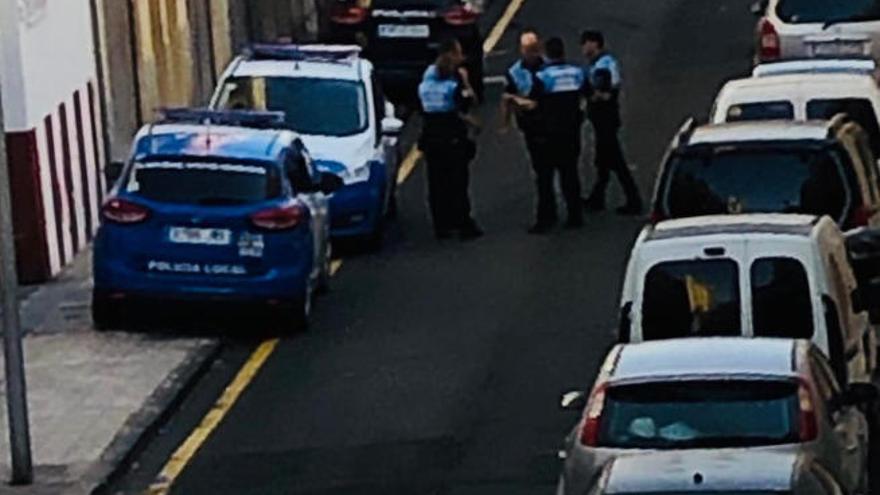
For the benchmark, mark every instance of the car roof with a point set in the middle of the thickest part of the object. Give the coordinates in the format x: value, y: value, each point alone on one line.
x: 740, y: 225
x: 769, y: 130
x: 720, y: 470
x: 815, y: 66
x: 321, y: 61
x: 193, y: 140
x: 705, y: 356
x: 786, y: 86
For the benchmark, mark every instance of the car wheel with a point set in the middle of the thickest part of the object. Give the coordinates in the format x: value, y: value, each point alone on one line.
x: 391, y: 208
x: 323, y: 284
x: 106, y: 314
x: 295, y: 315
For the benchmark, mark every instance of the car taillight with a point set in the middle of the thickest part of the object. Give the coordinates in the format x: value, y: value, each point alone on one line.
x: 860, y: 217
x: 657, y: 216
x: 461, y: 15
x: 768, y: 41
x: 593, y: 417
x: 280, y: 218
x: 808, y: 427
x: 348, y: 14
x: 119, y: 210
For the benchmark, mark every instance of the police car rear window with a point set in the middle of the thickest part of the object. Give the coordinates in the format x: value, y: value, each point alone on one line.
x: 203, y: 183
x: 806, y: 11
x: 769, y: 110
x: 313, y: 106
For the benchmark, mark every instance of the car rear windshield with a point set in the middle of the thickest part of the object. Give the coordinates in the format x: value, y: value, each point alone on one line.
x: 769, y: 110
x: 203, y: 182
x: 859, y: 109
x: 328, y: 107
x: 804, y: 11
x: 757, y: 179
x: 696, y: 297
x: 413, y: 3
x: 700, y: 414
x: 781, y: 303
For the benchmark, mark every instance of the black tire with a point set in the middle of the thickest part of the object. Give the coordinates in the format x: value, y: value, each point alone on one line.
x: 294, y: 316
x: 106, y: 314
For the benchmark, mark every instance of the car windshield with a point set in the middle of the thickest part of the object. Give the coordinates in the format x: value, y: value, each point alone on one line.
x: 203, y: 183
x: 781, y: 303
x: 695, y: 297
x: 757, y: 179
x: 768, y: 110
x: 859, y: 109
x: 701, y: 414
x: 328, y: 107
x: 805, y: 11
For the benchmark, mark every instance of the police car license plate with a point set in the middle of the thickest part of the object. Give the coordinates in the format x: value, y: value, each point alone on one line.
x: 190, y: 235
x: 404, y: 31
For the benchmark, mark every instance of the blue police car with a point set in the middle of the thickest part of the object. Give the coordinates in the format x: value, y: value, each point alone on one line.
x: 331, y: 97
x: 214, y: 206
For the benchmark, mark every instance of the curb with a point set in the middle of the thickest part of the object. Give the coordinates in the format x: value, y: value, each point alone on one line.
x: 146, y: 423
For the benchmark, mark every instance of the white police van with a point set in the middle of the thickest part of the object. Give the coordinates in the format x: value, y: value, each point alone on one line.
x: 331, y: 97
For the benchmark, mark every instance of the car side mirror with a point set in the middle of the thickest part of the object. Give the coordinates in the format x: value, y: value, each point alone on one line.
x: 392, y: 126
x: 858, y: 394
x: 330, y: 183
x: 113, y: 171
x: 758, y: 8
x: 573, y: 401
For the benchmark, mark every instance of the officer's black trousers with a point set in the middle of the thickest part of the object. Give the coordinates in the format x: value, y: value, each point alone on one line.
x: 609, y: 158
x: 448, y: 186
x: 549, y: 155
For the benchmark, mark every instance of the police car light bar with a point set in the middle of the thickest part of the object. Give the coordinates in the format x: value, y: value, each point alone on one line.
x: 302, y: 53
x: 236, y: 118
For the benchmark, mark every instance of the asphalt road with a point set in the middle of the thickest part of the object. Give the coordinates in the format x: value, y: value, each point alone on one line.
x: 437, y: 367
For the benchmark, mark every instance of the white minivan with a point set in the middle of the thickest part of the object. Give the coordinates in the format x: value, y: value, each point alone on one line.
x: 761, y: 275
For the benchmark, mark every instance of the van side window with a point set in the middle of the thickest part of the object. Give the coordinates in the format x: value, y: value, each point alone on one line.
x: 781, y: 303
x: 693, y: 297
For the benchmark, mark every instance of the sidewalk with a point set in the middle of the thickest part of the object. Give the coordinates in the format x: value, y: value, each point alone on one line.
x: 92, y: 396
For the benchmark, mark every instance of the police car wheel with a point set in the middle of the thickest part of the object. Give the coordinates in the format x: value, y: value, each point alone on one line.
x: 295, y: 315
x: 106, y: 314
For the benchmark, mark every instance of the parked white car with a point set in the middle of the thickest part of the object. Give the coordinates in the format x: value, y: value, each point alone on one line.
x: 750, y: 275
x: 805, y: 90
x: 816, y: 28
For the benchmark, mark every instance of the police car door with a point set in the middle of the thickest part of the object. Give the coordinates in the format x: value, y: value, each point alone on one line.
x: 305, y: 181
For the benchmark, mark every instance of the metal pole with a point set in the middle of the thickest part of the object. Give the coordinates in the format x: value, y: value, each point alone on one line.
x: 16, y: 392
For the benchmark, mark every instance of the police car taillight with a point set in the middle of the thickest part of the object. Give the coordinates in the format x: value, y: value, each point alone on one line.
x: 808, y: 426
x: 280, y: 218
x: 348, y: 14
x: 461, y: 15
x: 768, y: 41
x: 123, y: 211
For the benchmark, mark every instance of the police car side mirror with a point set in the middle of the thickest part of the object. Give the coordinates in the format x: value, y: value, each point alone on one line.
x: 330, y: 183
x: 392, y: 126
x: 113, y: 171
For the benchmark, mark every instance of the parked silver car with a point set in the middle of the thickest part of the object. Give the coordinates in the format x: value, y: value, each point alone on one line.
x: 816, y: 28
x: 727, y: 395
x: 719, y: 472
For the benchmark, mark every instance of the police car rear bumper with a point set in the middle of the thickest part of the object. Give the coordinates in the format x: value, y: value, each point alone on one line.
x: 356, y: 209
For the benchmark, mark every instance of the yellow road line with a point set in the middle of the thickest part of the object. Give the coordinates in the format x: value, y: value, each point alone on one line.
x: 408, y: 165
x: 502, y: 25
x: 184, y: 454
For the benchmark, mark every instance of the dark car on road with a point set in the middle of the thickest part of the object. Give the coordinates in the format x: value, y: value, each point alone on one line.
x: 401, y: 37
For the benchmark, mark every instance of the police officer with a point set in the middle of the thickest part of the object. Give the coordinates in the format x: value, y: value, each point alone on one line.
x: 603, y: 72
x: 446, y: 94
x: 559, y: 91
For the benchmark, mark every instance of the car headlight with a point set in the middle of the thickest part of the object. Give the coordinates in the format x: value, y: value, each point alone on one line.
x: 357, y: 174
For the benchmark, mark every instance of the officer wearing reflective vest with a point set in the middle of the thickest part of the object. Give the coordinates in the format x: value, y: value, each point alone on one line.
x: 603, y: 71
x: 560, y: 89
x: 446, y: 95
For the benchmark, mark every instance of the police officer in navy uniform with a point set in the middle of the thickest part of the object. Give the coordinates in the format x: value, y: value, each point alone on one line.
x: 603, y: 72
x: 446, y: 95
x: 560, y: 89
